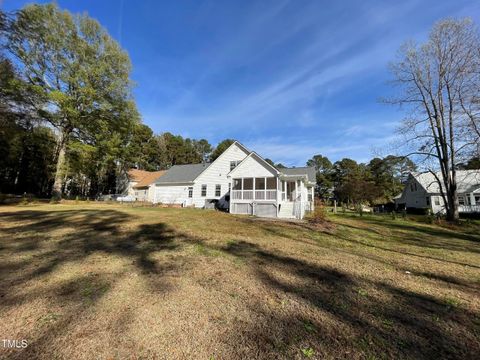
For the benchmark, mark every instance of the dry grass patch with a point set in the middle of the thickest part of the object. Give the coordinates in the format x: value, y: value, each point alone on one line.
x: 109, y: 281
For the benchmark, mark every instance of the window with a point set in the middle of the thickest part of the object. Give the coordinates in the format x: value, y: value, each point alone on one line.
x: 218, y: 189
x: 477, y: 199
x: 259, y: 183
x: 437, y: 200
x: 233, y: 164
x: 190, y: 192
x: 204, y: 190
x: 415, y: 186
x: 461, y: 200
x: 411, y: 187
x: 428, y: 201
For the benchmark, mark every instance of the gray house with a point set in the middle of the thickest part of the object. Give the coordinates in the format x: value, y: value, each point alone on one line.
x: 422, y: 191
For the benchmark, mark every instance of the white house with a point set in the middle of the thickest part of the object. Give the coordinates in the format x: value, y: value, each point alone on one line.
x: 422, y: 191
x: 138, y: 184
x: 243, y: 182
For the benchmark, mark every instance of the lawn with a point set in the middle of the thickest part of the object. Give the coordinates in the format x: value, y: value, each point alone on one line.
x: 85, y: 281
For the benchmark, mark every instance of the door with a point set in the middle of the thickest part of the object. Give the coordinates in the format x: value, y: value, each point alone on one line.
x: 290, y: 190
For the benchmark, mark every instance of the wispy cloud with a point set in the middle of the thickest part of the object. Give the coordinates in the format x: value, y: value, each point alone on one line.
x: 291, y: 79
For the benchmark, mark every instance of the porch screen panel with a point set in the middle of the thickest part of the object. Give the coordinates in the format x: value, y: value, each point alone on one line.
x: 259, y: 183
x: 248, y: 184
x: 237, y: 184
x: 271, y: 183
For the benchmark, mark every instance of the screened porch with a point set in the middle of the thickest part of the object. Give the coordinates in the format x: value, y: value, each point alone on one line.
x: 254, y: 188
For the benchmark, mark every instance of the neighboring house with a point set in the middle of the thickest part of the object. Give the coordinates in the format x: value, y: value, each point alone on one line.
x: 144, y: 189
x: 139, y: 184
x: 422, y: 191
x: 243, y: 182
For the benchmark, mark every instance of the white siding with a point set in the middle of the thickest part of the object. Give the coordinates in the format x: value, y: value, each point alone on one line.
x: 146, y: 194
x: 141, y: 194
x: 171, y: 194
x: 416, y: 198
x: 215, y: 174
x: 251, y: 167
x: 437, y: 208
x: 130, y: 190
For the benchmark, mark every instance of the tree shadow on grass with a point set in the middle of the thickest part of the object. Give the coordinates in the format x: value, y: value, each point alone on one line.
x: 399, y: 323
x: 444, y: 236
x: 88, y: 231
x: 399, y: 239
x: 48, y: 240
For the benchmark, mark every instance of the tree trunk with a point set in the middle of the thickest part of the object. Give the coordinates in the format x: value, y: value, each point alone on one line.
x: 58, y: 183
x: 452, y: 206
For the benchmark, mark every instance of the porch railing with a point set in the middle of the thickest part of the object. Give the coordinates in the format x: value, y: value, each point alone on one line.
x: 469, y: 208
x: 299, y: 208
x: 254, y: 194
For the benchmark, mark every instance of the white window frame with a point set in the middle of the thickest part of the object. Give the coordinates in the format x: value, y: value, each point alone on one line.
x: 190, y: 192
x: 204, y: 190
x: 218, y: 190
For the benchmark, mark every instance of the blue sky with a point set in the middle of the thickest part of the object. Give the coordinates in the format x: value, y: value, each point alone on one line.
x: 289, y: 79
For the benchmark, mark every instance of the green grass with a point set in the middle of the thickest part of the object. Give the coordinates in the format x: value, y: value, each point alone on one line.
x: 116, y: 281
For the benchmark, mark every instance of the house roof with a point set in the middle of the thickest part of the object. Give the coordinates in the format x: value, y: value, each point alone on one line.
x: 136, y: 174
x: 182, y: 173
x: 309, y: 171
x: 149, y: 178
x: 467, y: 181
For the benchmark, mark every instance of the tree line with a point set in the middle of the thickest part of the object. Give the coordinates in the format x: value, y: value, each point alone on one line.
x: 68, y: 120
x: 352, y: 183
x: 69, y: 123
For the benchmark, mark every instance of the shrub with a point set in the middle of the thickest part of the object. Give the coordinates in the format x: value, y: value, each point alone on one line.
x: 319, y: 214
x: 360, y: 209
x: 24, y: 199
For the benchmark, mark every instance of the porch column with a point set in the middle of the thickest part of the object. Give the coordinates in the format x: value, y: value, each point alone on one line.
x: 265, y: 189
x: 253, y: 196
x: 276, y: 178
x: 472, y: 199
x: 296, y: 195
x: 241, y: 190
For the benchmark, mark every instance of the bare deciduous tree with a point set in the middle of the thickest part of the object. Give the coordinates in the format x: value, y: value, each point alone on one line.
x: 440, y: 83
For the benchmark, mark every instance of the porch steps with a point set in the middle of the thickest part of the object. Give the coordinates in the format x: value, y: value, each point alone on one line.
x: 286, y: 210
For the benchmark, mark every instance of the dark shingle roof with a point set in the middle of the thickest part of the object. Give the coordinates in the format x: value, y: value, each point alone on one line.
x: 182, y: 173
x: 309, y: 171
